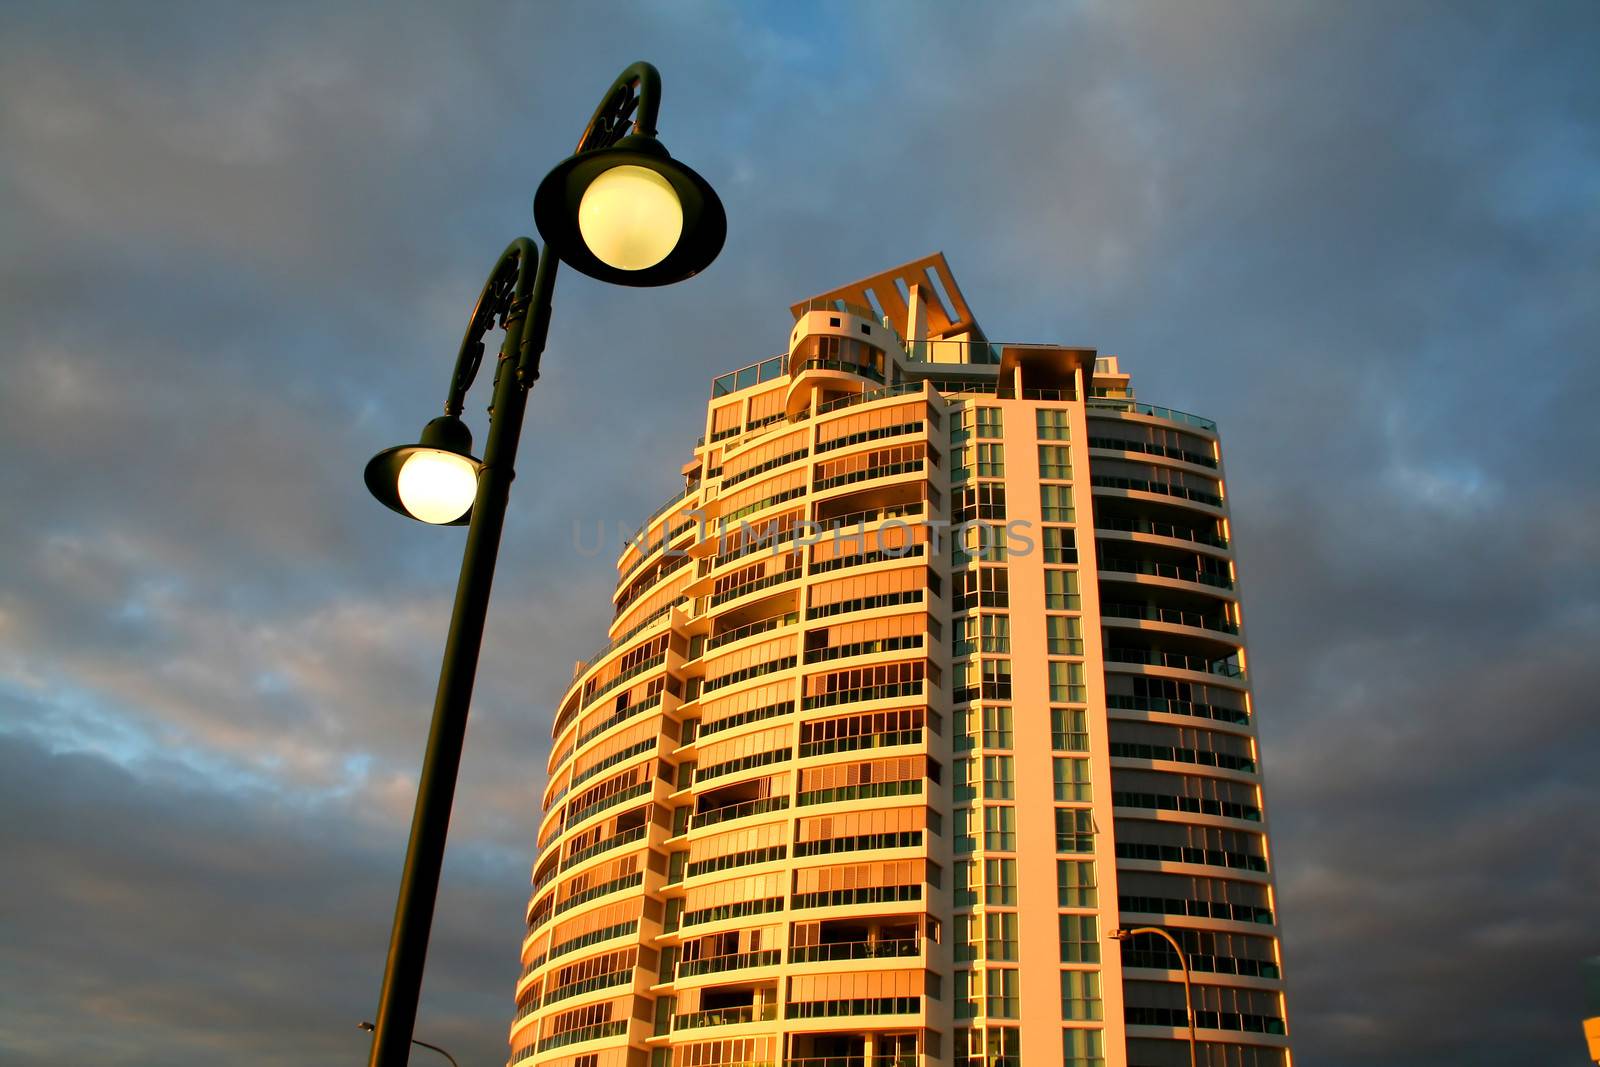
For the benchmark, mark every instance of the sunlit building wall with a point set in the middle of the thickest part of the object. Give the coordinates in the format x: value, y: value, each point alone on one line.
x: 931, y: 678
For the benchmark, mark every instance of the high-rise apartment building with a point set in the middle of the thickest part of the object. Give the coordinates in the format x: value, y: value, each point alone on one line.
x: 929, y: 682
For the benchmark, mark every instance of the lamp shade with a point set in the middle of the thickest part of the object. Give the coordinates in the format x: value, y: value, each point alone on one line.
x: 630, y: 214
x: 434, y: 481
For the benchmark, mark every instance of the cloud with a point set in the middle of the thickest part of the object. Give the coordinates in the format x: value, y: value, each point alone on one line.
x: 243, y: 243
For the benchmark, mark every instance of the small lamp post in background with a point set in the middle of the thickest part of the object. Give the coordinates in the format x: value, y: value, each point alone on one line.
x: 1183, y: 961
x: 622, y: 210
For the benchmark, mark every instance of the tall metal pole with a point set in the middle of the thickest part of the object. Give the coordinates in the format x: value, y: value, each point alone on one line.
x: 430, y: 822
x: 1183, y: 961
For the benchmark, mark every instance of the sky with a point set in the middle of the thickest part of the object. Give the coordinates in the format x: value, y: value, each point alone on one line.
x: 239, y: 244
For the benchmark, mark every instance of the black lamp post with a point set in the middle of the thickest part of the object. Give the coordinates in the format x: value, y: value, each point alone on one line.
x: 621, y: 210
x: 368, y: 1027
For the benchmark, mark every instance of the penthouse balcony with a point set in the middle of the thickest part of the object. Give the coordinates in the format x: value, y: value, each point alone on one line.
x: 1129, y: 406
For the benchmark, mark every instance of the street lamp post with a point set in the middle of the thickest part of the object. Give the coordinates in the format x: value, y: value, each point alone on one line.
x: 619, y: 209
x: 1183, y: 961
x: 368, y: 1027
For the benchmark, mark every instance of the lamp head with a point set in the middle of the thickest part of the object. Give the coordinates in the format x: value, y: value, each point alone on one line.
x: 434, y: 480
x: 630, y: 214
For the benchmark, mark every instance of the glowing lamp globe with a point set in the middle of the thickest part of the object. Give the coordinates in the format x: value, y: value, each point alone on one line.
x: 630, y: 214
x: 630, y: 218
x: 437, y: 486
x: 434, y: 481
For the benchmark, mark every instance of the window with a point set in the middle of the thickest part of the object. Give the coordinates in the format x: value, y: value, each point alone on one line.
x: 997, y: 727
x: 1055, y: 503
x: 1004, y: 999
x: 1053, y: 423
x: 996, y: 631
x: 991, y: 461
x: 996, y: 679
x: 1064, y: 635
x: 1000, y: 928
x: 1080, y: 995
x: 961, y: 778
x: 1075, y: 884
x: 1069, y: 730
x: 966, y: 884
x: 987, y: 587
x: 1082, y: 1048
x: 966, y: 945
x: 977, y: 540
x: 966, y: 994
x: 960, y: 462
x: 1055, y: 462
x: 1074, y: 830
x: 1005, y: 1047
x: 998, y: 778
x: 966, y: 736
x: 1000, y: 882
x: 965, y: 841
x: 989, y: 422
x: 1000, y: 829
x: 1059, y: 545
x: 1080, y: 942
x: 1071, y: 779
x: 1061, y: 591
x: 960, y: 426
x: 1066, y: 682
x: 986, y: 500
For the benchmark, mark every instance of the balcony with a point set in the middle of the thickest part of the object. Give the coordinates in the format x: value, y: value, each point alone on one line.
x: 892, y: 948
x: 731, y: 962
x: 1224, y: 668
x: 1170, y: 571
x: 1144, y: 485
x: 851, y: 1050
x: 1153, y: 411
x: 739, y: 810
x: 861, y: 370
x: 1170, y: 616
x: 1124, y: 524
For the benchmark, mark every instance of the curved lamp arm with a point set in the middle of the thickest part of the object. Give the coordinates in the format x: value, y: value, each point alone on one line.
x: 633, y: 102
x: 635, y: 95
x: 504, y: 299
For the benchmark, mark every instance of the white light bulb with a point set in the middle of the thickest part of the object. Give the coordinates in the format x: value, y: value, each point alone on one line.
x: 630, y: 218
x: 437, y: 487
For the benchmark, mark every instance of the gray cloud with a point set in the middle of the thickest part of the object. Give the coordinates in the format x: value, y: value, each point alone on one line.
x: 243, y: 242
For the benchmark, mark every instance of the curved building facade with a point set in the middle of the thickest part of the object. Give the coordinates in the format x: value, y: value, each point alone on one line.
x: 930, y: 681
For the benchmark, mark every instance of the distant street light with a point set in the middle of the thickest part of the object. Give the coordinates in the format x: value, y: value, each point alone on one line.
x: 622, y: 210
x: 1183, y: 961
x: 364, y: 1025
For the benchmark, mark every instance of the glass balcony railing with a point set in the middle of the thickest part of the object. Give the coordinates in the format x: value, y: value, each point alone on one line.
x: 1227, y: 668
x: 838, y: 305
x: 731, y: 962
x: 978, y: 352
x: 745, y: 377
x: 898, y: 389
x: 1166, y: 570
x: 1151, y: 613
x: 889, y: 948
x: 1163, y: 529
x: 1141, y: 485
x: 1154, y: 411
x: 746, y: 1013
x: 817, y: 363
